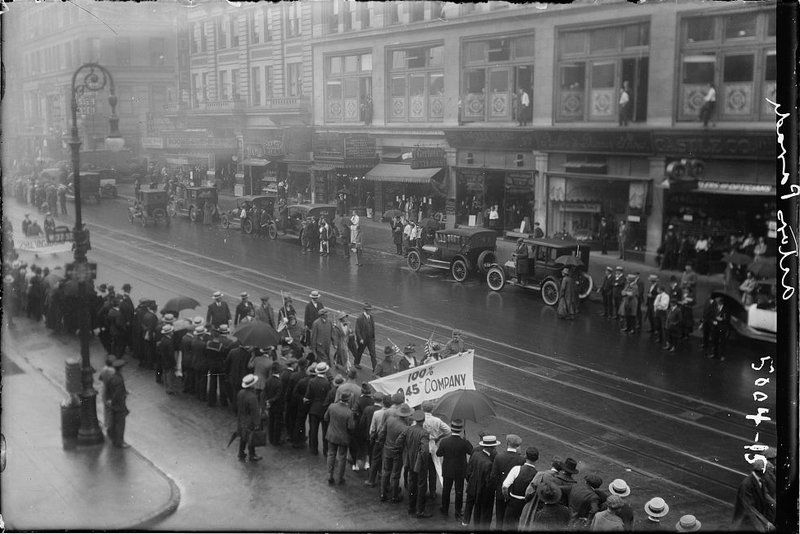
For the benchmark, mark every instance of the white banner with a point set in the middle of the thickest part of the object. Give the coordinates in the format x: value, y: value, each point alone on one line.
x: 430, y: 381
x: 59, y: 242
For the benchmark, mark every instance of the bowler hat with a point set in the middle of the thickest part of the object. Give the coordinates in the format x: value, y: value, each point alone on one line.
x: 404, y: 410
x: 571, y: 466
x: 656, y: 507
x: 688, y: 523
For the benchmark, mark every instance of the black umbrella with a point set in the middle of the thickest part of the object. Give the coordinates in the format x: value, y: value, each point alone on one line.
x: 257, y: 334
x: 464, y: 404
x: 569, y: 260
x: 388, y: 215
x: 737, y: 258
x: 176, y: 305
x: 764, y: 268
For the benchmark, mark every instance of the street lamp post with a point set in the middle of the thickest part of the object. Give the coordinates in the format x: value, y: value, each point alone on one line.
x: 94, y: 78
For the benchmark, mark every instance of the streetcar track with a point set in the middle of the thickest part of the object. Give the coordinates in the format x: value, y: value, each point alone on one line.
x: 285, y: 281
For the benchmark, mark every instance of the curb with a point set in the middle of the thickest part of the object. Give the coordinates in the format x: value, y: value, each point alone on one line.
x: 175, y: 494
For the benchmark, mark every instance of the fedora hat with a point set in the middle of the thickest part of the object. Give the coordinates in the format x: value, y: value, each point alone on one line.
x: 404, y: 410
x: 321, y: 368
x: 619, y: 487
x: 217, y: 294
x: 688, y: 523
x: 456, y: 425
x: 489, y: 441
x: 167, y: 329
x: 388, y: 350
x: 249, y: 381
x: 571, y: 466
x: 314, y: 294
x: 656, y: 507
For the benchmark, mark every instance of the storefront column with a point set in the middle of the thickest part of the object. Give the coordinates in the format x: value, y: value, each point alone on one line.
x: 541, y: 193
x: 312, y: 186
x: 450, y: 201
x: 655, y: 220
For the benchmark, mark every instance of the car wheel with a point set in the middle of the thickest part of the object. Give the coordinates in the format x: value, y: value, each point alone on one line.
x: 272, y: 230
x: 225, y: 221
x: 496, y: 278
x: 584, y: 284
x: 485, y: 260
x: 550, y: 292
x: 247, y: 226
x: 193, y: 214
x: 171, y: 209
x: 414, y: 261
x: 459, y: 269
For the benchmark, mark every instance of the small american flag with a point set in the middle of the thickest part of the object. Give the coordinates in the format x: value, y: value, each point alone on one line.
x: 395, y: 347
x: 429, y: 346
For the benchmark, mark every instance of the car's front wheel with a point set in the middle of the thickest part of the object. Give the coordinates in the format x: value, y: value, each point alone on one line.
x: 225, y: 221
x: 247, y: 226
x: 496, y: 278
x: 459, y: 269
x: 550, y: 292
x: 486, y: 259
x: 272, y: 231
x: 584, y: 284
x: 414, y: 261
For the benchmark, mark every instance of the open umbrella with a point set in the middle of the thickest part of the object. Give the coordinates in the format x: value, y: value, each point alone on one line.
x: 737, y: 258
x: 257, y: 334
x: 569, y: 260
x: 466, y: 404
x: 388, y: 215
x: 174, y: 306
x: 764, y: 268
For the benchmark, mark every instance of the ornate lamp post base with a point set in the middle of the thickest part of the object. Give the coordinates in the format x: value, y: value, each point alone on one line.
x: 89, y: 433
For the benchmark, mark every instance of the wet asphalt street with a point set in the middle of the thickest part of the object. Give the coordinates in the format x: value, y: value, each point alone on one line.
x: 670, y: 424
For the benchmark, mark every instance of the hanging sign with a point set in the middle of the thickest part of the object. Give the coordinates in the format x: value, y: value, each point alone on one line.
x: 428, y: 158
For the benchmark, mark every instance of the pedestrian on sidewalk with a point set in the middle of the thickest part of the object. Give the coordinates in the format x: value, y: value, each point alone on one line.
x: 105, y: 374
x: 344, y: 236
x: 660, y: 310
x: 392, y: 461
x: 397, y: 234
x: 655, y: 509
x: 314, y: 398
x: 437, y: 430
x: 606, y: 290
x: 622, y: 238
x: 273, y: 404
x: 340, y: 421
x: 604, y: 232
x: 376, y: 447
x: 117, y: 394
x: 585, y: 501
x: 616, y: 294
x: 365, y: 336
x: 673, y: 326
x: 166, y: 354
x: 501, y: 465
x: 357, y: 239
x: 620, y: 488
x: 249, y: 417
x: 568, y: 296
x: 609, y: 519
x: 416, y: 449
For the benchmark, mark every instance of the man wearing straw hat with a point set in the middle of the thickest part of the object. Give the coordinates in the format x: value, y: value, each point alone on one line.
x: 249, y: 417
x: 655, y: 509
x: 480, y: 490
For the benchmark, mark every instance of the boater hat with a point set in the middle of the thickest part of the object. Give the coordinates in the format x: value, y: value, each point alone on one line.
x: 217, y: 294
x: 314, y: 294
x: 167, y: 328
x: 249, y: 381
x: 688, y: 523
x: 656, y: 507
x: 456, y: 425
x: 489, y: 441
x: 321, y: 368
x: 619, y: 487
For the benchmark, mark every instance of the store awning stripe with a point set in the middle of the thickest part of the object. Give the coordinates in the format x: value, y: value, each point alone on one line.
x: 391, y: 172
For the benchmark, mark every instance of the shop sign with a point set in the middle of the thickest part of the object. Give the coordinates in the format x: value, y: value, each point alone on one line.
x: 328, y: 146
x: 359, y: 147
x: 728, y: 144
x: 634, y: 218
x: 473, y: 179
x: 520, y: 180
x: 199, y: 140
x: 428, y: 158
x: 587, y: 207
x: 274, y: 147
x: 152, y: 142
x: 732, y: 187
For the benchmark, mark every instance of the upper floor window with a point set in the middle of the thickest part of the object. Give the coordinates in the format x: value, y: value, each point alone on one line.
x: 498, y: 79
x: 234, y: 29
x: 365, y: 14
x: 416, y: 11
x: 222, y: 29
x: 157, y: 52
x: 123, y: 48
x: 603, y: 73
x: 331, y: 13
x: 416, y: 84
x: 293, y: 19
x: 203, y: 40
x: 735, y: 53
x: 193, y: 37
x: 392, y: 12
x: 348, y: 87
x: 255, y: 86
x: 294, y: 79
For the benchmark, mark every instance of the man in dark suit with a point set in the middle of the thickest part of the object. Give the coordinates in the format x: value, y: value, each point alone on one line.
x: 414, y: 441
x: 311, y: 314
x: 273, y: 402
x: 514, y: 486
x: 243, y: 309
x: 617, y: 285
x: 606, y: 289
x: 604, y: 232
x: 652, y: 293
x: 218, y: 311
x: 127, y: 309
x: 502, y: 464
x: 454, y: 450
x: 480, y: 490
x: 316, y: 392
x: 365, y: 336
x: 720, y: 326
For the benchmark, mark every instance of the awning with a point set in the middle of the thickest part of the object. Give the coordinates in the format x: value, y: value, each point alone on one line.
x: 257, y: 162
x: 396, y: 172
x: 322, y: 167
x: 590, y: 176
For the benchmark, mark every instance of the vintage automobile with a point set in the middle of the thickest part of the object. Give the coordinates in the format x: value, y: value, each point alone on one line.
x: 150, y: 206
x: 297, y: 213
x: 546, y: 259
x: 95, y: 185
x: 191, y: 202
x: 458, y: 250
x: 759, y: 320
x: 251, y: 214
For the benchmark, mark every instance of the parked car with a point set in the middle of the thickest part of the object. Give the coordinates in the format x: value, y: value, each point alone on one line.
x: 251, y: 214
x: 150, y: 207
x: 297, y: 213
x: 90, y: 186
x: 544, y: 271
x: 459, y: 250
x: 192, y: 201
x: 759, y: 320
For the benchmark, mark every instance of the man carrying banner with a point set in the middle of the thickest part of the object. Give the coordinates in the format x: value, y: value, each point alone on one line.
x: 437, y: 429
x: 386, y: 366
x: 455, y: 345
x: 408, y: 360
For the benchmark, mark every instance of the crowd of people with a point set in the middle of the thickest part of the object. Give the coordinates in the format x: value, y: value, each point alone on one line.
x: 681, y: 248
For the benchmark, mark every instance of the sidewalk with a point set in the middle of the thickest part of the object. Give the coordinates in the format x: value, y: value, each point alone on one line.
x: 378, y: 238
x: 46, y: 487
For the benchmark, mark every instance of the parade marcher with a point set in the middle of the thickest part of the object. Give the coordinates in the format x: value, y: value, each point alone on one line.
x: 118, y: 406
x: 455, y: 345
x: 567, y: 296
x: 248, y: 416
x: 416, y: 448
x: 521, y: 260
x: 287, y: 310
x: 606, y: 290
x: 620, y: 489
x: 235, y: 368
x: 618, y: 284
x: 341, y: 337
x: 585, y: 501
x: 629, y: 305
x: 322, y: 337
x: 480, y: 489
x: 311, y: 313
x: 166, y: 354
x: 218, y: 311
x: 273, y: 403
x: 341, y: 423
x: 386, y: 366
x: 409, y: 360
x: 365, y: 336
x: 314, y: 397
x: 513, y: 488
x: 655, y: 509
x: 720, y: 329
x: 501, y: 465
x: 243, y: 309
x: 454, y: 451
x: 392, y: 461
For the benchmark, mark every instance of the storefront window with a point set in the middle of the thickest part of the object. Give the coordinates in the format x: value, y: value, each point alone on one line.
x: 417, y: 84
x: 506, y: 65
x: 624, y: 54
x: 349, y: 82
x: 729, y: 51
